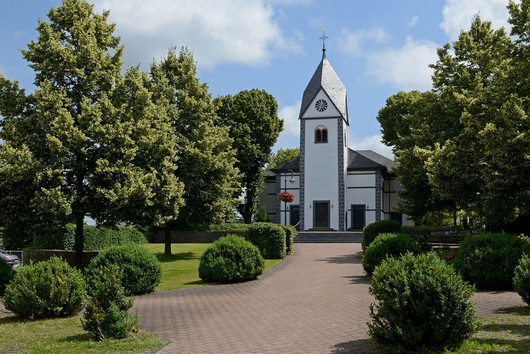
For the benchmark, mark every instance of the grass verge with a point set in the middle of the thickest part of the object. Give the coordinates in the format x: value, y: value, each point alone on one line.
x: 506, y: 332
x: 181, y: 269
x: 65, y: 335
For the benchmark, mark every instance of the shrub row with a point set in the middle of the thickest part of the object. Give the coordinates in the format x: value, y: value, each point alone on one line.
x: 269, y: 238
x: 95, y: 238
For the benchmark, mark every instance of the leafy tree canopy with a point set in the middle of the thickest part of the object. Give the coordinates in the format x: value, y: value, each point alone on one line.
x: 89, y: 141
x: 465, y: 144
x: 253, y: 122
x: 282, y: 156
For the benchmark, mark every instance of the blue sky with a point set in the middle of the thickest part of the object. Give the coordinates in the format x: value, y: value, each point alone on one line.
x: 376, y: 47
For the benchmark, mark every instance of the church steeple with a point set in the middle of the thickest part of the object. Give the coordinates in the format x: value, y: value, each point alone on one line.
x: 325, y: 79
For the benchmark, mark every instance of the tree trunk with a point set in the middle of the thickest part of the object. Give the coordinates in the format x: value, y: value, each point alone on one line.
x: 79, y: 241
x: 167, y: 240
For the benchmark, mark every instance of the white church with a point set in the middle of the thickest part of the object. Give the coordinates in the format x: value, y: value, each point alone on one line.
x: 334, y: 187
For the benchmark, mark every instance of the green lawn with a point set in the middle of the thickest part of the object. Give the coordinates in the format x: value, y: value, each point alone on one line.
x: 64, y: 335
x: 181, y: 270
x: 507, y: 332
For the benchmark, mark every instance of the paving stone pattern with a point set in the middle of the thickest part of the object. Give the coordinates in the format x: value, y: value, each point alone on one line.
x: 316, y: 301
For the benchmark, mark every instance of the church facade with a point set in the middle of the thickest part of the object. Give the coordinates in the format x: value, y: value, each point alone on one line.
x: 334, y: 187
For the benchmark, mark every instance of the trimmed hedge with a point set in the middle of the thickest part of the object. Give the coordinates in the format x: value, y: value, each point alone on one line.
x: 387, y: 245
x: 488, y: 261
x: 46, y: 289
x: 290, y: 232
x: 106, y: 314
x: 521, y: 279
x: 141, y: 270
x: 421, y: 303
x: 374, y: 229
x: 98, y: 238
x: 6, y: 275
x: 231, y: 259
x: 269, y: 238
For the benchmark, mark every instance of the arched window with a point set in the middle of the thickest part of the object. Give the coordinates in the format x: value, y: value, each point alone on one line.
x: 321, y: 134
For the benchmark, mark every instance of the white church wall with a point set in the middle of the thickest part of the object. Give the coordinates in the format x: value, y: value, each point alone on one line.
x: 321, y: 171
x: 360, y: 179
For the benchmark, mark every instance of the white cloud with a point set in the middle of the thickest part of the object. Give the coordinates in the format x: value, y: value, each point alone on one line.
x: 290, y: 114
x: 405, y: 67
x: 458, y: 14
x: 352, y: 43
x: 413, y: 21
x: 222, y: 31
x: 290, y: 136
x: 371, y: 143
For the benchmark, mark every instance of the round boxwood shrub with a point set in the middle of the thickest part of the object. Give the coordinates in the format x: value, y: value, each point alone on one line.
x: 6, y: 275
x: 421, y: 303
x: 374, y: 229
x: 489, y: 260
x: 387, y: 245
x: 106, y: 314
x: 46, y: 289
x: 141, y: 270
x: 231, y: 259
x: 521, y: 279
x: 269, y: 238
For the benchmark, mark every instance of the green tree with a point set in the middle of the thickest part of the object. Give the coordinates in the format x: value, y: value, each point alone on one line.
x: 467, y: 140
x: 252, y: 117
x: 206, y: 159
x: 282, y: 156
x: 87, y: 142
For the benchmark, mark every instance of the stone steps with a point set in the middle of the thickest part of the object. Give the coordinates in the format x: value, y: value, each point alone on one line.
x: 328, y: 237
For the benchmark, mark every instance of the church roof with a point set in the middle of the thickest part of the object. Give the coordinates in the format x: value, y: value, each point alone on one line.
x: 368, y: 160
x: 357, y: 160
x: 325, y: 78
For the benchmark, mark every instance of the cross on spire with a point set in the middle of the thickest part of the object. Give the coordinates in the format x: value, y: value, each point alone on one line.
x: 323, y: 38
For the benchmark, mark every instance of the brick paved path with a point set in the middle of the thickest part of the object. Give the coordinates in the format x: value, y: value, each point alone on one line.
x: 316, y: 301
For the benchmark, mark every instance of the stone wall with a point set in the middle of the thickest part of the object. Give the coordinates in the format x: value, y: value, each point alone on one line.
x: 195, y: 236
x: 68, y: 256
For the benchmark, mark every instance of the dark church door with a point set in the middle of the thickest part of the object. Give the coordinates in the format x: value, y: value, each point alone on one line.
x: 321, y: 214
x: 358, y: 216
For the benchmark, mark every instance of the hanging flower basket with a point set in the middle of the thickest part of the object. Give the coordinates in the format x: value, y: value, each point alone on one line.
x: 287, y: 197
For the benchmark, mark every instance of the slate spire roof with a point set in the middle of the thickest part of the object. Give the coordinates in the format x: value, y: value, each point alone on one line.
x: 326, y: 79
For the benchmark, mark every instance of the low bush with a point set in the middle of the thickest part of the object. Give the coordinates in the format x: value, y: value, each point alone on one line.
x: 269, y: 238
x: 6, y: 275
x: 374, y: 229
x: 489, y: 260
x: 106, y: 314
x: 521, y: 279
x: 231, y: 259
x: 46, y: 289
x: 290, y: 232
x: 141, y: 270
x: 421, y: 303
x: 387, y: 245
